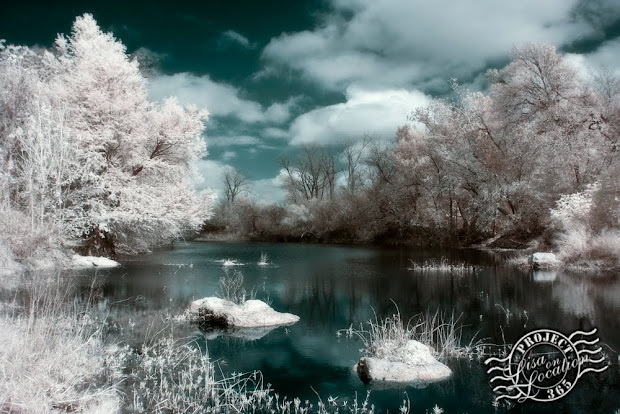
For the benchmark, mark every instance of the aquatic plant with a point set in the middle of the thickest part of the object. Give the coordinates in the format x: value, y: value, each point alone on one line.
x: 441, y: 266
x: 232, y: 289
x: 263, y: 259
x: 230, y: 262
x: 520, y: 260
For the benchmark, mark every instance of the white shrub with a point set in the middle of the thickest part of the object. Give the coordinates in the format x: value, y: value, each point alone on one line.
x: 573, y: 208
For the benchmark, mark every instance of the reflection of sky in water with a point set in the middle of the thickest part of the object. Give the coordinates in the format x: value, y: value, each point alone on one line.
x: 332, y: 287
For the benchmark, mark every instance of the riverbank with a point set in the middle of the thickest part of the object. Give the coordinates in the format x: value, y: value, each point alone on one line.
x: 53, y: 350
x: 589, y: 255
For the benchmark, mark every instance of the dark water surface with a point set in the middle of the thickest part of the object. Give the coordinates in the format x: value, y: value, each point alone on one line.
x: 332, y: 287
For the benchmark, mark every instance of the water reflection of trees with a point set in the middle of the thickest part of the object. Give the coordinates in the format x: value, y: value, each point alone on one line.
x: 497, y: 303
x: 593, y: 300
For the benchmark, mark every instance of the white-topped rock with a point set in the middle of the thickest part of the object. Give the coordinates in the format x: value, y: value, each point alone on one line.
x: 412, y: 362
x: 250, y: 314
x: 545, y: 261
x: 79, y: 262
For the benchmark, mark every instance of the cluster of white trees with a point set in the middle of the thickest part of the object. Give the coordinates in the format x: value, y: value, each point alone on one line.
x: 85, y: 158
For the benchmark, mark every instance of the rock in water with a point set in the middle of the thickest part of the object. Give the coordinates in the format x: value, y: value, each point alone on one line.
x: 363, y: 371
x: 544, y: 261
x: 252, y: 313
x: 412, y: 363
x: 78, y: 262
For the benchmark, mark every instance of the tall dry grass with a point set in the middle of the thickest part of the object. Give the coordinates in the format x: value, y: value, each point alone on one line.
x: 438, y: 330
x: 52, y: 357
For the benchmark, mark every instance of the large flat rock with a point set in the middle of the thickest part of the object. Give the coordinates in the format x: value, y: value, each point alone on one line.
x: 250, y: 314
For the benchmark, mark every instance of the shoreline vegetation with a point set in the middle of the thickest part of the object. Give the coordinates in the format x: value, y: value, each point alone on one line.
x: 582, y: 230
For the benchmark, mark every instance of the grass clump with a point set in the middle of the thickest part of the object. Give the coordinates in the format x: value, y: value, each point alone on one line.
x: 232, y: 289
x: 522, y: 261
x: 385, y: 338
x: 171, y: 375
x: 441, y: 266
x: 264, y: 259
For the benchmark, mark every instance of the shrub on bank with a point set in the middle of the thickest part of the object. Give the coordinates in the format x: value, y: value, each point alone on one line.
x: 588, y: 235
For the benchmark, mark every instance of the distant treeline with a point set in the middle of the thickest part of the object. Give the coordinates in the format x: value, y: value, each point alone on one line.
x: 536, y: 158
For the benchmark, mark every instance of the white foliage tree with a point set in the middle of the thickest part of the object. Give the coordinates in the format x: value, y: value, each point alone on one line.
x: 85, y: 152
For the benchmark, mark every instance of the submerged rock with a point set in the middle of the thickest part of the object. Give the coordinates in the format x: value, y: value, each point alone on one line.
x: 219, y: 312
x: 411, y: 363
x: 544, y: 261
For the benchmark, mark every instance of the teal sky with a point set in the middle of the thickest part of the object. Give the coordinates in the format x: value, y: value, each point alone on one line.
x: 276, y: 75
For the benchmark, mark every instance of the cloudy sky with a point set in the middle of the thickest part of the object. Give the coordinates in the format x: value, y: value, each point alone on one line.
x: 276, y: 75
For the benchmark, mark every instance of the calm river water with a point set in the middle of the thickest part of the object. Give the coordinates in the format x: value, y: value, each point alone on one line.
x: 332, y: 287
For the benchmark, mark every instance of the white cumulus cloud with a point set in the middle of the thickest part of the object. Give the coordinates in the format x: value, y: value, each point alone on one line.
x: 607, y: 56
x: 209, y: 175
x: 220, y: 99
x: 269, y: 190
x: 232, y: 141
x: 396, y: 43
x: 381, y: 110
